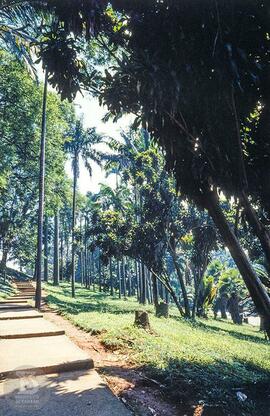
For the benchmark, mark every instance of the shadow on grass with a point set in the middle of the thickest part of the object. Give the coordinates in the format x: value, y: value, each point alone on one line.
x: 188, y: 383
x: 218, y: 384
x: 5, y: 288
x: 210, y: 327
x: 239, y: 335
x: 97, y: 302
x: 94, y: 303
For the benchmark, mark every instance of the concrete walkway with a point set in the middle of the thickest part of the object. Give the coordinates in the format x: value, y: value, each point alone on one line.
x: 42, y: 372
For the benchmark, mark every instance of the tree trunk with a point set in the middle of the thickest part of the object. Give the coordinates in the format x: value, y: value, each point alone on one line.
x: 261, y: 232
x: 86, y: 271
x: 99, y: 273
x: 3, y: 265
x: 41, y: 195
x: 233, y: 306
x: 119, y: 278
x: 46, y: 249
x: 56, y: 273
x: 181, y: 281
x: 111, y: 277
x: 124, y: 277
x: 82, y: 272
x: 175, y: 299
x: 67, y: 271
x: 197, y: 285
x: 73, y: 246
x: 223, y: 306
x: 90, y: 269
x: 62, y: 257
x: 155, y: 291
x: 137, y: 280
x: 143, y: 285
x: 149, y: 287
x: 253, y: 283
x: 129, y: 283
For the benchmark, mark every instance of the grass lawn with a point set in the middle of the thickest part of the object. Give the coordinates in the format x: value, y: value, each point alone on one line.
x: 6, y: 289
x: 208, y: 360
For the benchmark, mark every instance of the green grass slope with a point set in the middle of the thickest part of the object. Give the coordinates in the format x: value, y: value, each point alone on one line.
x: 6, y: 289
x: 206, y: 361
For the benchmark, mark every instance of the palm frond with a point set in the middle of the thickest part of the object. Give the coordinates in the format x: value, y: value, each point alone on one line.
x: 18, y: 33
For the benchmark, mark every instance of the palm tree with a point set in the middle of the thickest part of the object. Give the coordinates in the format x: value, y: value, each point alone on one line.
x: 80, y: 145
x: 41, y: 195
x: 126, y: 152
x: 18, y: 32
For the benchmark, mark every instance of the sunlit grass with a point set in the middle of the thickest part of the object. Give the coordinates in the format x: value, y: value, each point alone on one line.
x: 6, y: 289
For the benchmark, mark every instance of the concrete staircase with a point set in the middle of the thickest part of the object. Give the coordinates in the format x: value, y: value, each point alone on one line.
x: 28, y: 341
x: 41, y: 371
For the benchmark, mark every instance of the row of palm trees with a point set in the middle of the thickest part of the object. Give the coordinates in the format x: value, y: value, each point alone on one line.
x: 19, y: 35
x: 18, y: 31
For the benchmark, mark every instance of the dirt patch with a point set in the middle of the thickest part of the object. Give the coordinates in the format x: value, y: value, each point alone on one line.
x: 144, y: 396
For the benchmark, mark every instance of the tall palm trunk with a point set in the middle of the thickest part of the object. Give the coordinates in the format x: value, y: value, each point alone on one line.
x: 99, y: 273
x: 75, y: 177
x: 56, y: 274
x: 93, y: 271
x: 111, y: 277
x: 67, y: 258
x: 143, y: 285
x: 155, y: 290
x: 124, y: 277
x: 253, y: 283
x: 86, y: 270
x: 82, y: 271
x: 129, y: 283
x: 62, y: 256
x: 41, y: 195
x: 46, y: 249
x: 119, y: 278
x: 136, y: 265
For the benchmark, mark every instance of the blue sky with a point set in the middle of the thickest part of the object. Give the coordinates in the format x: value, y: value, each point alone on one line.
x: 92, y: 113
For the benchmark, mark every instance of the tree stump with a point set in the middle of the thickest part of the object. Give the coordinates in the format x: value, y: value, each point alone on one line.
x: 142, y: 320
x: 162, y: 310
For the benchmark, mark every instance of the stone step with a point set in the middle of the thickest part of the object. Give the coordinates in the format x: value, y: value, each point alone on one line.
x: 19, y: 314
x: 25, y: 286
x: 12, y: 301
x: 80, y: 393
x: 28, y: 328
x: 42, y: 355
x: 24, y: 292
x: 15, y: 306
x: 29, y: 287
x: 26, y: 283
x: 20, y: 297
